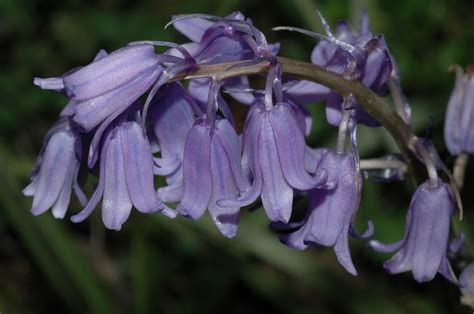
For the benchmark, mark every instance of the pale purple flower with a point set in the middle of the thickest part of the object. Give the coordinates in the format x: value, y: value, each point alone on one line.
x: 126, y: 177
x: 217, y: 39
x: 56, y: 170
x: 330, y: 213
x: 275, y: 147
x: 212, y: 171
x: 372, y: 65
x: 172, y: 116
x: 110, y: 84
x: 424, y: 248
x: 458, y: 127
x: 355, y: 55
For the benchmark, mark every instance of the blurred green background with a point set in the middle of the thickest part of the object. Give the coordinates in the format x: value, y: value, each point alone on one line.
x: 159, y: 265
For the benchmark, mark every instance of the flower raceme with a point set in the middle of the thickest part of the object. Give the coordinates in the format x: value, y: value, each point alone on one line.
x: 129, y: 120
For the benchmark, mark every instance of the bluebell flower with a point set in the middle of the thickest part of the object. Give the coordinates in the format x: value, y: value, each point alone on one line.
x: 330, y: 213
x: 423, y: 250
x: 56, y: 170
x: 275, y: 147
x: 111, y: 84
x: 217, y: 40
x: 172, y: 116
x: 212, y: 171
x: 125, y: 178
x: 356, y: 55
x: 458, y: 127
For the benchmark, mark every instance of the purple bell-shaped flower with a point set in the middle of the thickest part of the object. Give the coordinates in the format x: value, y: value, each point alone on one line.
x: 172, y: 116
x: 110, y: 84
x: 424, y: 248
x: 56, y: 170
x: 126, y: 177
x: 212, y: 171
x: 274, y: 145
x: 331, y: 211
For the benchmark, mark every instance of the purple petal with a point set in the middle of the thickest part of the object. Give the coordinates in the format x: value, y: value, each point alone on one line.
x: 446, y: 270
x: 343, y: 254
x: 99, y: 189
x: 139, y: 171
x: 166, y: 167
x: 289, y: 141
x: 58, y: 158
x: 111, y: 72
x: 223, y: 187
x: 229, y: 141
x: 385, y: 248
x: 60, y: 207
x: 192, y: 28
x: 171, y: 193
x: 277, y: 194
x: 306, y: 92
x: 116, y: 203
x: 197, y: 172
x: 91, y: 112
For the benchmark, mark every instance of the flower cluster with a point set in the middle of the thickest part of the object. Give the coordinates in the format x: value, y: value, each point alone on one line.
x: 129, y: 120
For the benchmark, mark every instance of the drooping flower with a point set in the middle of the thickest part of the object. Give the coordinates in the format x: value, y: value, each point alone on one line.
x: 56, y: 170
x: 126, y: 177
x: 330, y: 213
x: 212, y: 171
x: 458, y: 127
x: 111, y: 84
x: 275, y: 149
x: 217, y: 40
x: 355, y: 55
x: 423, y: 250
x: 172, y: 116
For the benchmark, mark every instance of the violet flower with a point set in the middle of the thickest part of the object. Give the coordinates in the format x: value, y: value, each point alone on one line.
x: 212, y: 171
x: 56, y: 170
x: 458, y: 127
x: 172, y: 116
x: 275, y: 148
x: 355, y: 55
x: 217, y: 40
x: 126, y: 177
x: 111, y: 84
x: 330, y: 213
x: 424, y: 248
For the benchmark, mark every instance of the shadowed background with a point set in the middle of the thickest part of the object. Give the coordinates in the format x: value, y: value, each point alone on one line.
x: 180, y: 266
